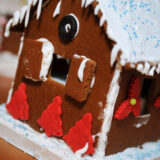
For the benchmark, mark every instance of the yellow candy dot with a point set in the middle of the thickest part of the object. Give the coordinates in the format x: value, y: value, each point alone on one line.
x: 133, y: 101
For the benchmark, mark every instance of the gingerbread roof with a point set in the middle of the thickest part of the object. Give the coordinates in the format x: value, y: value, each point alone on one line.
x: 134, y: 27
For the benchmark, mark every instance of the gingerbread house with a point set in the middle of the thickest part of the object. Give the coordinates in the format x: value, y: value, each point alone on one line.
x: 88, y: 72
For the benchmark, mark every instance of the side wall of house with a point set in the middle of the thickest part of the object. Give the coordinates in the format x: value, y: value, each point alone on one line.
x: 127, y: 132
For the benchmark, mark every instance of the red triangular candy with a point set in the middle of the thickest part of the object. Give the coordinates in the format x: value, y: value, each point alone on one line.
x: 50, y: 119
x: 18, y: 106
x: 124, y: 110
x: 79, y: 135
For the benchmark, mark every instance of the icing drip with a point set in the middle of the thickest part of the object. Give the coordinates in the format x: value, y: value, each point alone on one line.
x: 83, y: 3
x: 97, y: 8
x: 57, y: 10
x: 140, y: 67
x: 21, y: 45
x: 23, y: 14
x: 47, y: 51
x: 146, y: 68
x: 88, y: 2
x: 93, y: 81
x: 82, y: 67
x: 158, y: 69
x: 39, y: 9
x: 151, y: 72
x: 108, y: 113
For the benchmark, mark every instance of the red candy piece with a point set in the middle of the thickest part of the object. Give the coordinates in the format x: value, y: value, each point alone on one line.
x: 50, y: 119
x: 126, y: 106
x: 124, y: 110
x: 79, y: 135
x: 18, y: 106
x: 157, y: 102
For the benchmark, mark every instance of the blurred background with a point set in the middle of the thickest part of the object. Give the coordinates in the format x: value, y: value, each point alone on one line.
x: 8, y: 63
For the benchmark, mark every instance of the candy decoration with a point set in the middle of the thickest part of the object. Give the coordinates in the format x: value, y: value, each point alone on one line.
x: 79, y: 135
x: 157, y: 102
x: 50, y: 119
x: 132, y: 104
x: 68, y: 27
x: 18, y: 106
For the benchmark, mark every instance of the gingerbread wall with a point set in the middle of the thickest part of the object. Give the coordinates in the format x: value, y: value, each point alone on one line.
x: 91, y: 41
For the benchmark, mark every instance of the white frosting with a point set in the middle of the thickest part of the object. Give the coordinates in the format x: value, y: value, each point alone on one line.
x: 22, y: 14
x: 158, y: 69
x: 81, y: 67
x: 21, y: 45
x: 108, y: 113
x: 93, y: 81
x: 47, y: 51
x: 151, y: 72
x: 114, y: 54
x: 140, y: 67
x: 57, y: 10
x: 134, y: 26
x: 83, y: 3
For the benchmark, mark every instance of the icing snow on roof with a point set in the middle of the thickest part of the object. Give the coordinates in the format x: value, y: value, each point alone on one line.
x: 135, y: 27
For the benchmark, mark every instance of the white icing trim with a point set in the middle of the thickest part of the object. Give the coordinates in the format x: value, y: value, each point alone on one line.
x: 151, y: 72
x: 83, y: 3
x: 47, y: 51
x: 21, y: 45
x: 39, y: 9
x: 108, y: 113
x: 102, y: 21
x: 97, y: 9
x: 81, y: 68
x: 158, y: 69
x: 146, y: 68
x: 57, y: 10
x: 22, y: 14
x: 93, y: 81
x: 114, y: 54
x: 140, y: 67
